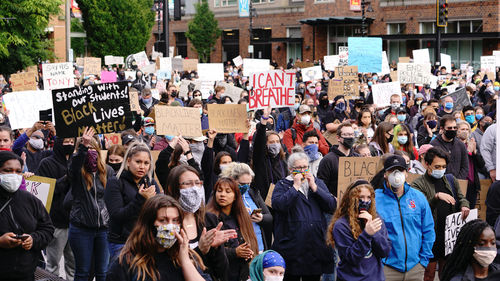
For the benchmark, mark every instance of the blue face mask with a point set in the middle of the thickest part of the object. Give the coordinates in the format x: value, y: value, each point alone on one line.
x: 496, y: 88
x: 402, y: 139
x: 432, y: 124
x: 370, y: 83
x: 448, y: 105
x: 296, y: 106
x: 364, y: 205
x: 479, y: 116
x: 147, y: 101
x: 169, y: 138
x: 149, y: 130
x: 201, y: 110
x: 244, y: 188
x: 312, y: 151
x: 340, y: 107
x: 401, y: 118
x: 437, y: 174
x: 374, y: 78
x: 381, y: 112
x: 470, y: 119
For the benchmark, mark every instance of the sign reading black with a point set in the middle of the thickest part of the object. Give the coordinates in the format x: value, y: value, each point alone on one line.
x: 105, y: 107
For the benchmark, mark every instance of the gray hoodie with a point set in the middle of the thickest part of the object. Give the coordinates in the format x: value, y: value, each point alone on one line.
x: 489, y: 147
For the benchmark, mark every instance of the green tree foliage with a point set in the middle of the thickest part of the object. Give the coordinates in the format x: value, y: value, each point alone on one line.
x: 203, y: 31
x: 117, y: 27
x: 77, y: 43
x: 23, y: 40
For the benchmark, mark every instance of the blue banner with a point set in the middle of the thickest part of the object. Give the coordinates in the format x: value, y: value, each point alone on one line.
x: 366, y: 53
x: 244, y: 8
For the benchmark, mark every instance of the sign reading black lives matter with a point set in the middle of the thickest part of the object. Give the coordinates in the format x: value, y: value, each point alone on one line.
x: 105, y: 107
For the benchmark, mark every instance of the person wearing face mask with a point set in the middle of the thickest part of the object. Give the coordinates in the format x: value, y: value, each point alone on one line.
x: 339, y: 113
x: 449, y: 142
x: 268, y: 266
x: 428, y: 130
x: 445, y: 198
x: 323, y: 108
x: 448, y: 105
x: 89, y: 216
x: 160, y: 241
x: 395, y: 102
x: 139, y: 83
x: 115, y: 155
x: 416, y: 108
x: 56, y: 167
x: 359, y: 235
x: 473, y: 255
x: 403, y: 141
x: 147, y: 102
x: 303, y: 124
x: 310, y: 147
x: 148, y: 132
x: 400, y: 205
x: 24, y: 223
x: 483, y: 123
x: 470, y: 117
x: 33, y: 138
x: 382, y: 139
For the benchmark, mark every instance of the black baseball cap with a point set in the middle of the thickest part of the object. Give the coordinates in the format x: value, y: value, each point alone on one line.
x: 394, y: 161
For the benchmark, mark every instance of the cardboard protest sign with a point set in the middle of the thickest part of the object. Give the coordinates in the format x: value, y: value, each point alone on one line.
x: 42, y: 188
x: 80, y: 61
x: 454, y: 223
x: 414, y: 73
x: 488, y: 66
x: 141, y: 59
x: 91, y: 66
x: 343, y: 55
x: 190, y: 64
x: 481, y: 196
x: 177, y: 64
x: 57, y: 75
x: 404, y: 59
x: 312, y: 73
x: 25, y: 107
x: 331, y: 62
x: 274, y: 88
x: 385, y: 65
x: 114, y: 138
x: 24, y: 81
x: 134, y: 100
x: 183, y: 88
x: 460, y: 99
x: 255, y: 65
x: 446, y: 62
x: 354, y: 168
x: 227, y: 118
x: 231, y: 91
x: 421, y: 56
x: 176, y: 120
x: 394, y: 75
x: 304, y: 64
x: 108, y: 76
x: 366, y: 53
x: 105, y: 107
x: 211, y: 71
x: 350, y: 81
x: 335, y: 88
x: 238, y: 61
x: 382, y: 92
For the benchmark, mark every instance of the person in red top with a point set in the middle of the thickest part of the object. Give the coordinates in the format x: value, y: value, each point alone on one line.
x: 302, y: 124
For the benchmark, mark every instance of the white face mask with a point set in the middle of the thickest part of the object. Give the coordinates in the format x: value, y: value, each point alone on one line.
x: 485, y: 255
x: 36, y: 143
x: 305, y: 119
x: 273, y: 278
x: 165, y: 234
x: 396, y: 179
x: 11, y: 182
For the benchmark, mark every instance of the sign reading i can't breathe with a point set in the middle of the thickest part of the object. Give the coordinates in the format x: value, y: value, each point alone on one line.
x: 105, y: 107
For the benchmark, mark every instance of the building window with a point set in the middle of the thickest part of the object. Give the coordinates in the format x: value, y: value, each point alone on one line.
x: 181, y: 43
x: 460, y: 26
x: 396, y: 28
x: 338, y: 34
x: 323, y: 1
x: 293, y: 49
x: 461, y: 51
x: 225, y: 3
x: 397, y: 49
x: 262, y: 1
x: 427, y: 27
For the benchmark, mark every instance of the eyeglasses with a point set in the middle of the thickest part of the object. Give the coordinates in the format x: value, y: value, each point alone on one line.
x: 191, y: 183
x: 300, y: 169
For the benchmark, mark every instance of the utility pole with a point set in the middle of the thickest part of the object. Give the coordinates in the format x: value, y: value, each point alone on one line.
x: 67, y: 25
x: 363, y: 19
x: 250, y: 11
x: 166, y: 33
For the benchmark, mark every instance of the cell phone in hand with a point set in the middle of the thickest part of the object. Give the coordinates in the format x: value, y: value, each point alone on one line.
x: 256, y: 211
x: 21, y: 237
x: 46, y: 115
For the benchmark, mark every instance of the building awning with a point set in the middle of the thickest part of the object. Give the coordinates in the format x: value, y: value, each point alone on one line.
x: 444, y: 36
x: 334, y: 20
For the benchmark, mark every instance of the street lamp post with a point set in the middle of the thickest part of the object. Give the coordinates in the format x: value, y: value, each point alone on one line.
x: 166, y: 26
x: 250, y: 16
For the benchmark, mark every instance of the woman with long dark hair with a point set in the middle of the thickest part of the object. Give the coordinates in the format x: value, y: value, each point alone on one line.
x: 359, y: 235
x: 227, y: 204
x: 157, y: 248
x: 367, y: 124
x: 382, y: 139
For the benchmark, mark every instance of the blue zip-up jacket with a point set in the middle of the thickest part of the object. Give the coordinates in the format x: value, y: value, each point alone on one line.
x: 410, y: 227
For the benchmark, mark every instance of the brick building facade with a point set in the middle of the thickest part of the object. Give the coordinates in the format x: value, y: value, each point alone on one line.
x: 311, y: 29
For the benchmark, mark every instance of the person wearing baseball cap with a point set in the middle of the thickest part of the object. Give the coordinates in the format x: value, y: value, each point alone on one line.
x: 409, y: 222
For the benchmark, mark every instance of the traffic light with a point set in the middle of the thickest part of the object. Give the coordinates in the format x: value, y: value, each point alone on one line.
x: 442, y: 13
x: 179, y: 9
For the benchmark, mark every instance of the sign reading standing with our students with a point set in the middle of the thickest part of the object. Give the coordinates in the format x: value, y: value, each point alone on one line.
x: 105, y: 107
x: 274, y: 88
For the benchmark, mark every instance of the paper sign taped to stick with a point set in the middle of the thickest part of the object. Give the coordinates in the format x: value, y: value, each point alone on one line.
x: 414, y: 73
x: 176, y: 120
x: 354, y: 168
x: 227, y: 118
x: 460, y: 99
x: 149, y: 68
x: 211, y: 71
x: 312, y: 73
x: 366, y: 53
x: 421, y: 56
x: 24, y: 81
x: 25, y: 107
x: 274, y: 88
x: 42, y: 188
x: 350, y: 81
x: 331, y: 62
x: 105, y: 107
x: 164, y: 64
x: 238, y: 61
x: 255, y: 65
x: 91, y: 66
x: 382, y: 92
x: 57, y: 75
x: 454, y: 223
x: 190, y: 64
x: 108, y: 76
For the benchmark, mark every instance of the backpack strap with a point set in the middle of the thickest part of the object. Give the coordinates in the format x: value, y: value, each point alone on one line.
x: 294, y: 134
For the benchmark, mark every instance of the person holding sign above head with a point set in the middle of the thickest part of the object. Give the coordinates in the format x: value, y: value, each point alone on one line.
x: 444, y: 197
x: 359, y: 235
x: 409, y: 223
x: 33, y: 138
x: 473, y: 254
x: 25, y: 225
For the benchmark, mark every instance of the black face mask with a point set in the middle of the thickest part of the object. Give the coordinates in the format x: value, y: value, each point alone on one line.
x: 68, y: 149
x: 269, y: 127
x: 348, y: 142
x: 486, y: 125
x: 115, y: 166
x: 389, y: 139
x: 450, y: 134
x: 323, y: 102
x: 173, y: 94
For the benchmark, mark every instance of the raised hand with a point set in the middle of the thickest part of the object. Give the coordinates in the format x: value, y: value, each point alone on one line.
x: 87, y: 136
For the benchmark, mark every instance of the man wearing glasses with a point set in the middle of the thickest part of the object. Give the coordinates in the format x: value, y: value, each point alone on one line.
x: 447, y: 140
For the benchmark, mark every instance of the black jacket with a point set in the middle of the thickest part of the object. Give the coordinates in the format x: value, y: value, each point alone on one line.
x: 56, y: 167
x: 459, y: 161
x: 87, y: 207
x: 329, y: 168
x: 24, y: 214
x: 493, y: 203
x: 147, y: 110
x: 124, y: 203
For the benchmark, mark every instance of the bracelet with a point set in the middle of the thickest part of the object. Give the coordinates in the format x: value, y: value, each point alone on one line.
x: 187, y: 152
x: 265, y: 118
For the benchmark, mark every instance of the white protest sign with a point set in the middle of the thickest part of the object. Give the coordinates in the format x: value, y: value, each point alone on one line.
x: 165, y: 64
x: 25, y: 107
x: 343, y: 55
x: 238, y: 61
x: 149, y: 68
x: 446, y: 62
x: 274, y: 88
x: 311, y: 73
x: 417, y: 73
x: 385, y: 65
x: 496, y: 54
x: 57, y: 75
x: 255, y: 65
x: 463, y: 67
x: 231, y: 91
x: 141, y: 59
x: 421, y: 56
x: 488, y: 64
x: 211, y: 71
x: 110, y: 60
x: 454, y: 223
x: 382, y: 92
x: 130, y: 75
x: 433, y: 81
x: 205, y: 88
x: 42, y: 188
x: 331, y: 62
